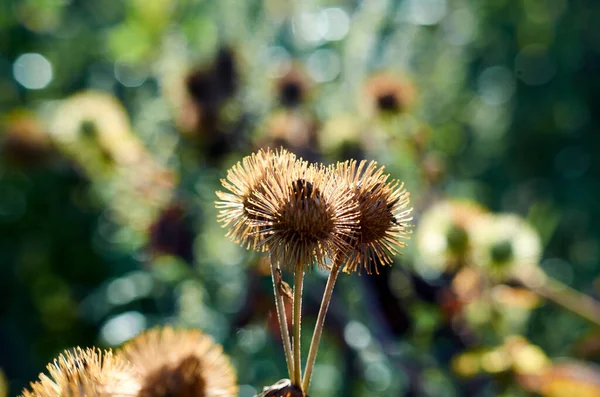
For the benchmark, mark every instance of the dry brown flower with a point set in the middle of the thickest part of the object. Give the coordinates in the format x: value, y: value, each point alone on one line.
x: 389, y: 94
x: 89, y: 372
x: 180, y: 363
x: 383, y: 214
x: 305, y: 216
x: 244, y: 180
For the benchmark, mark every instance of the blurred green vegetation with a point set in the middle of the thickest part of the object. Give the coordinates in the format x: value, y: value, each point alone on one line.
x: 107, y: 221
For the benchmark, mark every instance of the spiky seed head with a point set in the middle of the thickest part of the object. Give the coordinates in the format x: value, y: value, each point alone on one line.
x: 85, y: 373
x: 305, y: 216
x: 383, y: 214
x: 244, y: 181
x: 180, y: 363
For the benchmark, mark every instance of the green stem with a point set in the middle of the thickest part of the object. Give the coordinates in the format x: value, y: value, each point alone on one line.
x: 281, y: 317
x: 316, y: 339
x: 565, y: 296
x: 298, y: 280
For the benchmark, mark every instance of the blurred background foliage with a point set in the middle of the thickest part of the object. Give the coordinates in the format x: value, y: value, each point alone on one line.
x: 119, y: 118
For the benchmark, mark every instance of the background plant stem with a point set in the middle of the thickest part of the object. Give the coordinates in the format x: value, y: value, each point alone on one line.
x: 565, y: 296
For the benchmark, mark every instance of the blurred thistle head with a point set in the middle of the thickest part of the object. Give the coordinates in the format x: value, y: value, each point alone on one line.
x: 383, y: 215
x: 295, y: 131
x: 86, y: 372
x: 99, y: 117
x: 443, y: 236
x: 24, y: 140
x: 305, y: 216
x: 293, y: 87
x: 505, y: 246
x: 180, y: 363
x: 238, y: 206
x: 387, y: 94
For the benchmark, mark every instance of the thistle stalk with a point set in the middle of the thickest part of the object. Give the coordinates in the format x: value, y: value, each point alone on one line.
x: 298, y: 282
x: 281, y: 317
x: 316, y: 339
x: 565, y: 296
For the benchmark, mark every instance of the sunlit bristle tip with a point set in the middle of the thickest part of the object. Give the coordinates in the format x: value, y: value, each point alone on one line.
x: 85, y: 373
x: 383, y: 214
x: 180, y: 363
x: 305, y: 216
x: 244, y: 181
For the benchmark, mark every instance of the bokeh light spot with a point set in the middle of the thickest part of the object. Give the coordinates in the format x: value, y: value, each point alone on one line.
x: 357, y: 335
x: 123, y: 327
x: 33, y: 71
x: 496, y: 85
x: 324, y: 65
x: 533, y: 65
x: 338, y: 24
x: 426, y: 12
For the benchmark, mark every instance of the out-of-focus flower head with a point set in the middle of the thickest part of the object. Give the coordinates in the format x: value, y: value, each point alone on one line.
x: 341, y: 138
x: 505, y: 246
x: 564, y: 379
x: 294, y: 131
x: 89, y: 372
x: 383, y: 214
x: 443, y: 235
x: 171, y: 362
x: 99, y: 118
x: 197, y: 94
x: 170, y: 235
x: 386, y: 94
x: 516, y: 355
x: 500, y: 310
x: 23, y: 139
x: 292, y: 89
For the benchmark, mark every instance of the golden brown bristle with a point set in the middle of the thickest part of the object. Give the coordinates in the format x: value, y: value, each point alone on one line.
x: 84, y: 373
x: 305, y: 216
x: 383, y: 214
x: 244, y: 181
x: 177, y: 363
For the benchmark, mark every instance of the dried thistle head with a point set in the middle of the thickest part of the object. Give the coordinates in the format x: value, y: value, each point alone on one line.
x: 244, y: 181
x: 180, y: 363
x: 382, y: 213
x: 305, y: 216
x: 89, y: 372
x: 389, y: 94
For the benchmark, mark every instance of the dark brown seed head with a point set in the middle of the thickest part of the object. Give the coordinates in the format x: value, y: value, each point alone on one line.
x: 305, y: 217
x: 383, y: 215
